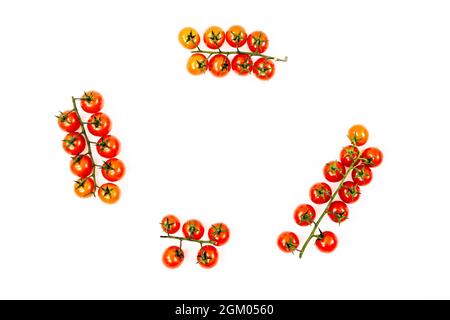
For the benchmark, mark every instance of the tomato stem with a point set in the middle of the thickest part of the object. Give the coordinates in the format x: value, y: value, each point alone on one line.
x: 257, y: 54
x: 187, y: 239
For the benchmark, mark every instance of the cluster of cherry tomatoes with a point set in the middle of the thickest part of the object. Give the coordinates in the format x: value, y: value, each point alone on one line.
x: 193, y: 230
x: 352, y: 163
x: 78, y: 145
x: 217, y: 60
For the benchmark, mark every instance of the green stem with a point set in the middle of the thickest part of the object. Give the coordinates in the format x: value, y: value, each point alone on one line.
x: 257, y: 54
x: 187, y: 239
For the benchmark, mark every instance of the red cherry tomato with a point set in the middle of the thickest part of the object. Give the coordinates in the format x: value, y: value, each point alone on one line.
x: 81, y: 165
x: 320, y: 193
x: 92, y: 102
x: 173, y: 257
x: 288, y: 241
x: 214, y: 37
x: 219, y: 65
x: 334, y: 171
x: 372, y: 157
x: 193, y: 229
x: 264, y: 68
x: 327, y: 242
x: 257, y: 41
x: 109, y: 193
x: 362, y: 175
x: 349, y: 192
x: 358, y: 135
x: 304, y: 215
x: 84, y: 188
x: 68, y: 121
x: 219, y: 233
x: 99, y: 124
x: 348, y: 155
x: 113, y: 169
x: 74, y: 143
x: 207, y: 256
x: 108, y: 146
x: 338, y: 211
x: 242, y: 64
x: 170, y: 224
x: 236, y: 36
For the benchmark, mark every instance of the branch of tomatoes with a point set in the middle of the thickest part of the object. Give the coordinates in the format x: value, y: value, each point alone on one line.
x: 193, y: 230
x: 77, y: 143
x: 354, y: 163
x: 217, y: 61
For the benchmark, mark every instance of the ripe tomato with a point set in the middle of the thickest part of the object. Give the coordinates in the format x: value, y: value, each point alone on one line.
x: 68, y: 121
x: 193, y: 229
x: 242, y: 64
x: 362, y: 175
x: 108, y: 146
x: 214, y: 37
x: 74, y: 143
x: 257, y: 41
x: 320, y: 193
x: 288, y: 241
x: 338, y: 211
x: 348, y: 155
x: 84, y: 188
x: 349, y: 192
x: 236, y: 36
x: 207, y: 256
x: 113, y: 169
x: 372, y: 157
x: 197, y: 64
x: 334, y: 171
x: 173, y: 257
x: 358, y: 135
x: 219, y: 233
x: 219, y: 65
x: 91, y: 102
x: 304, y: 215
x: 99, y: 124
x: 189, y: 38
x: 327, y: 242
x: 109, y: 193
x: 170, y: 224
x: 81, y: 165
x: 264, y: 68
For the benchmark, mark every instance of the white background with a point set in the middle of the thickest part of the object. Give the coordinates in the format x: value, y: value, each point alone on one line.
x: 236, y: 150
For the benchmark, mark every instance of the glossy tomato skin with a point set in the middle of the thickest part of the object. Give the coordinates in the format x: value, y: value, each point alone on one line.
x: 219, y: 233
x: 84, y: 188
x: 197, y: 64
x: 92, y: 101
x: 99, y: 124
x: 173, y: 257
x: 320, y: 193
x: 189, y: 38
x: 349, y: 192
x: 264, y: 68
x: 338, y: 211
x: 257, y: 41
x: 362, y: 175
x: 358, y: 135
x: 81, y: 165
x: 304, y: 215
x: 334, y: 171
x: 288, y: 241
x: 68, y: 121
x: 74, y: 143
x: 214, y: 37
x: 372, y: 157
x: 219, y: 65
x: 236, y: 36
x: 113, y: 169
x: 193, y: 229
x: 207, y: 256
x: 242, y: 64
x: 327, y: 242
x: 108, y: 146
x: 109, y: 193
x: 170, y: 224
x: 348, y: 155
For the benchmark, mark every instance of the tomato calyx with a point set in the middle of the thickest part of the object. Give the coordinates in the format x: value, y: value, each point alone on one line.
x: 191, y: 37
x: 167, y: 225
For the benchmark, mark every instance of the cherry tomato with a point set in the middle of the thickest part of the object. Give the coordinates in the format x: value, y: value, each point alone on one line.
x: 91, y: 102
x: 219, y: 65
x: 348, y: 155
x: 338, y: 211
x: 257, y: 41
x: 334, y: 171
x: 358, y: 135
x: 207, y: 256
x: 68, y: 121
x: 214, y: 37
x: 362, y: 175
x: 113, y: 169
x: 219, y: 233
x: 320, y: 193
x: 84, y: 187
x: 193, y: 229
x: 108, y: 146
x: 197, y: 64
x: 242, y: 64
x: 170, y: 224
x: 327, y: 242
x: 189, y: 38
x: 99, y: 124
x: 349, y: 192
x: 372, y: 157
x: 304, y: 215
x: 288, y: 241
x: 173, y: 257
x: 81, y: 165
x: 264, y: 68
x: 236, y: 36
x: 109, y: 193
x: 74, y: 143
